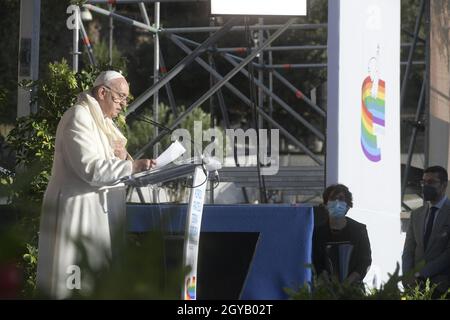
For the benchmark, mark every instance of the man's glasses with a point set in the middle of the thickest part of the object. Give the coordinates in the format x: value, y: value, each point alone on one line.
x: 429, y: 182
x: 121, y: 96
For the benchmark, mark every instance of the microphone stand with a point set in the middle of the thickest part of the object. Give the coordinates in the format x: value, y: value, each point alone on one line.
x: 153, y: 122
x: 165, y: 129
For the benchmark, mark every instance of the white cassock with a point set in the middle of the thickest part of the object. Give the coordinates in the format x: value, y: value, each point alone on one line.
x: 79, y: 203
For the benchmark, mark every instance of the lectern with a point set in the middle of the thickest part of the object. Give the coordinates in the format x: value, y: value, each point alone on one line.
x: 199, y: 171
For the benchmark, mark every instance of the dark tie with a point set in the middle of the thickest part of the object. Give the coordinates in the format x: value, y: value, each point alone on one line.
x: 429, y: 226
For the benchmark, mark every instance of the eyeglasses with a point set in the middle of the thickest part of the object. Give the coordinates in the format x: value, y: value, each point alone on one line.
x: 429, y: 182
x: 122, y: 97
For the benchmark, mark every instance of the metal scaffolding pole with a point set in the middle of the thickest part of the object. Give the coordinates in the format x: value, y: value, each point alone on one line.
x: 288, y: 66
x: 283, y: 104
x: 411, y: 34
x: 216, y: 75
x: 156, y: 77
x: 211, y: 112
x: 247, y: 101
x: 120, y: 18
x: 270, y: 79
x: 421, y: 103
x: 76, y: 39
x: 180, y: 66
x: 412, y: 139
x: 277, y: 48
x: 427, y: 23
x: 261, y: 73
x: 168, y: 87
x: 218, y: 85
x: 162, y: 66
x: 87, y: 43
x: 270, y: 105
x: 299, y: 94
x: 271, y: 94
x: 111, y: 33
x: 28, y: 55
x: 285, y: 66
x: 410, y: 55
x: 242, y: 28
x: 284, y: 48
x: 144, y: 14
x: 222, y: 106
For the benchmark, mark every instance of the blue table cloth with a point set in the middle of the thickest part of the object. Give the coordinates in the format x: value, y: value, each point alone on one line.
x: 282, y: 253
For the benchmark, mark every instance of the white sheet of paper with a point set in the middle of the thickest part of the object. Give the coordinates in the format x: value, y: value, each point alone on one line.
x: 174, y: 151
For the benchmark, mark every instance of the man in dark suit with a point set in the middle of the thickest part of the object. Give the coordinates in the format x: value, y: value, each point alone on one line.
x: 427, y: 239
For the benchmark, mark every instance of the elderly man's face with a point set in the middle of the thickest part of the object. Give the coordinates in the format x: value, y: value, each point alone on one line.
x: 113, y: 98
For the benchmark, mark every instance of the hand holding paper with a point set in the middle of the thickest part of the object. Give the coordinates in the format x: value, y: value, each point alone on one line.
x: 169, y: 155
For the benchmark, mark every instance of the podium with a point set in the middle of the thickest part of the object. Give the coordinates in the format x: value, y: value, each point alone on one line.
x: 199, y: 172
x: 248, y: 252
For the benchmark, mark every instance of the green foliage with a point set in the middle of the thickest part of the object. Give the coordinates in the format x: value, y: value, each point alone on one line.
x: 101, y: 54
x: 327, y: 288
x: 3, y: 94
x: 330, y: 288
x: 18, y: 234
x: 140, y: 133
x: 33, y: 138
x: 30, y: 265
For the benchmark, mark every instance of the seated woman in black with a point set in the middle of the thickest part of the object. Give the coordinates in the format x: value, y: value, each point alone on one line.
x: 337, y: 228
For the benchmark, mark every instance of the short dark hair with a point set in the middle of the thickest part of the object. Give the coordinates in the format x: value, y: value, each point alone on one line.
x: 442, y: 173
x: 338, y: 188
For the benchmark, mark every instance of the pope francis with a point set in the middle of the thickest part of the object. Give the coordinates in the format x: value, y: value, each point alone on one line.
x: 82, y: 207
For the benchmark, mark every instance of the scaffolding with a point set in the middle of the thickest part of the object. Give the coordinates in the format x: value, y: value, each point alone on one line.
x: 257, y: 57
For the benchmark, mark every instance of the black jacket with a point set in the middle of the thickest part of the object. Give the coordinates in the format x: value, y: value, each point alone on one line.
x: 355, y: 233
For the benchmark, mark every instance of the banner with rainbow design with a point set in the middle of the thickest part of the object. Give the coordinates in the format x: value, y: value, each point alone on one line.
x: 363, y: 121
x: 372, y: 114
x: 192, y: 233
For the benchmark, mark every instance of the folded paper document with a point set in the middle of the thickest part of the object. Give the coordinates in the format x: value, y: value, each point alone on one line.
x: 172, y: 153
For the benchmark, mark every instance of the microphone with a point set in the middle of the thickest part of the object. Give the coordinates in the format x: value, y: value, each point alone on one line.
x: 212, y: 163
x: 153, y: 122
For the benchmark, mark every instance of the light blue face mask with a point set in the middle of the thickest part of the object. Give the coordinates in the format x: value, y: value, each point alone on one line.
x: 337, y: 209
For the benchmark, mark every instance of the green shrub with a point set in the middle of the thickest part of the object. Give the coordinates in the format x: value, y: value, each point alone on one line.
x: 326, y: 288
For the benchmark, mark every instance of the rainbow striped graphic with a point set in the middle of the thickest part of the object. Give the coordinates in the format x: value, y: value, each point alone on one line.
x: 190, y: 293
x: 373, y: 111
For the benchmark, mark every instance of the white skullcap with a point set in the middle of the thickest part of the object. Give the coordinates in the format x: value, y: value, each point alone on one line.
x: 106, y: 76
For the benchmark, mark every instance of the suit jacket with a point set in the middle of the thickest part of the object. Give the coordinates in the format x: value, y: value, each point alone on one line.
x: 437, y: 254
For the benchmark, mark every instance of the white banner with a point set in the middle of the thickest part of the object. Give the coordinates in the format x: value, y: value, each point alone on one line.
x: 192, y: 233
x: 363, y: 138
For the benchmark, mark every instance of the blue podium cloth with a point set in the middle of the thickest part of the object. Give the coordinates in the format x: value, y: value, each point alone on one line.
x: 281, y: 255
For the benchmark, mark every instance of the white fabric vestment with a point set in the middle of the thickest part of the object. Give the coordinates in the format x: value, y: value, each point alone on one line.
x: 80, y: 204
